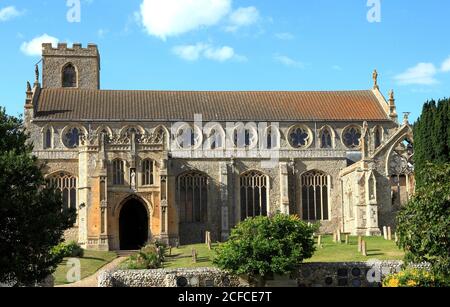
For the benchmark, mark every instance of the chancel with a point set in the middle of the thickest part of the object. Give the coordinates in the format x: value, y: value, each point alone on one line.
x: 342, y: 157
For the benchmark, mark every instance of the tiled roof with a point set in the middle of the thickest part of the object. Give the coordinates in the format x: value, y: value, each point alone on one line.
x: 102, y: 105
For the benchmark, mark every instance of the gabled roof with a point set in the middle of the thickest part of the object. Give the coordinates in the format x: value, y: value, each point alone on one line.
x: 109, y: 105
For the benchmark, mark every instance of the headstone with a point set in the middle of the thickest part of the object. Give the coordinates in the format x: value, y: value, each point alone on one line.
x: 346, y: 239
x: 319, y: 240
x: 389, y: 233
x: 334, y: 237
x: 194, y: 256
x: 364, y: 248
x: 359, y: 244
x: 339, y: 236
x: 396, y: 237
x: 385, y: 233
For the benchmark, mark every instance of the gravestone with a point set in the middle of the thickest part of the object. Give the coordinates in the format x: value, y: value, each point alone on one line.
x: 319, y: 240
x: 194, y: 256
x: 385, y: 233
x: 359, y: 244
x: 346, y: 239
x: 364, y: 248
x: 389, y: 234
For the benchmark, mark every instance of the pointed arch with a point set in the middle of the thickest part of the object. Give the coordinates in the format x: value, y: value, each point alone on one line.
x: 69, y: 76
x: 67, y: 184
x: 47, y: 133
x: 214, y: 136
x: 128, y: 128
x: 315, y: 188
x: 327, y: 137
x: 254, y: 194
x: 378, y: 136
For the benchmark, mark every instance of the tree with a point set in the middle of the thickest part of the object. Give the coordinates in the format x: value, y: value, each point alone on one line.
x: 424, y: 223
x: 432, y: 136
x: 32, y: 219
x: 261, y: 246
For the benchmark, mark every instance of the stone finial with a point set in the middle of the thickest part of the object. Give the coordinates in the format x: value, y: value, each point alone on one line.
x: 392, y: 108
x: 406, y: 118
x: 28, y: 87
x: 375, y: 80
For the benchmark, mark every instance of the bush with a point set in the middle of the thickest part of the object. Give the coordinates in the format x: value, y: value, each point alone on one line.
x: 68, y: 250
x: 149, y: 257
x: 414, y: 278
x: 423, y: 225
x: 261, y: 246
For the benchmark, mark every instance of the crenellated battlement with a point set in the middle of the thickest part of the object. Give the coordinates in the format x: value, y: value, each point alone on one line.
x: 63, y: 49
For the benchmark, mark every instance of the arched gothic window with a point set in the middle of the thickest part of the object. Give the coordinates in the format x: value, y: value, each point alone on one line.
x: 245, y: 137
x: 193, y: 197
x: 378, y: 137
x: 315, y: 196
x: 48, y: 137
x: 69, y: 76
x: 118, y: 169
x: 326, y: 138
x: 254, y: 187
x: 148, y: 172
x: 272, y: 138
x: 67, y: 185
x: 71, y: 138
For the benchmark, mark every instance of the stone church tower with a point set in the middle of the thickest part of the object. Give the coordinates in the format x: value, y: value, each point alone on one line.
x: 171, y: 165
x: 83, y: 62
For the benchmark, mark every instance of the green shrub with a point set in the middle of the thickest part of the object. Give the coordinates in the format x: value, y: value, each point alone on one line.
x: 261, y: 246
x: 414, y: 278
x: 424, y: 223
x: 68, y: 250
x: 149, y: 257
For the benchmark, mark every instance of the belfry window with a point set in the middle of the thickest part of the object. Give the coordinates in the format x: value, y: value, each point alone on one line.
x: 254, y: 186
x: 118, y: 172
x: 67, y: 185
x: 147, y: 172
x: 315, y: 196
x: 69, y: 76
x: 193, y: 197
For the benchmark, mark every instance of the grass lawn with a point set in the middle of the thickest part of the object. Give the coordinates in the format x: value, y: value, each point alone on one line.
x: 377, y: 248
x: 90, y: 263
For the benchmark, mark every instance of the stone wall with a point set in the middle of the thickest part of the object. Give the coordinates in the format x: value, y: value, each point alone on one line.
x: 339, y: 274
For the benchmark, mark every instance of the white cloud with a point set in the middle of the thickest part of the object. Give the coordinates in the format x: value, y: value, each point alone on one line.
x: 8, y: 13
x: 174, y: 17
x: 34, y: 47
x: 202, y: 50
x: 286, y: 36
x: 336, y: 67
x: 422, y: 73
x: 446, y: 65
x: 189, y: 52
x: 243, y: 17
x: 287, y: 61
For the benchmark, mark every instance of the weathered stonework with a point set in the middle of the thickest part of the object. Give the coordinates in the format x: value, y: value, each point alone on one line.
x: 339, y: 274
x: 358, y: 196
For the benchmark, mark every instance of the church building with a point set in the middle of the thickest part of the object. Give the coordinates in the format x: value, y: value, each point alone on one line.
x: 171, y: 165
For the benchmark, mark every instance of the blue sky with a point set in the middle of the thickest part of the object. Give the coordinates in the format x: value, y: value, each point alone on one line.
x: 239, y: 45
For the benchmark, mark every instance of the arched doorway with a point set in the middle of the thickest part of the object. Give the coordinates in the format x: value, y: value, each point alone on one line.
x: 133, y: 225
